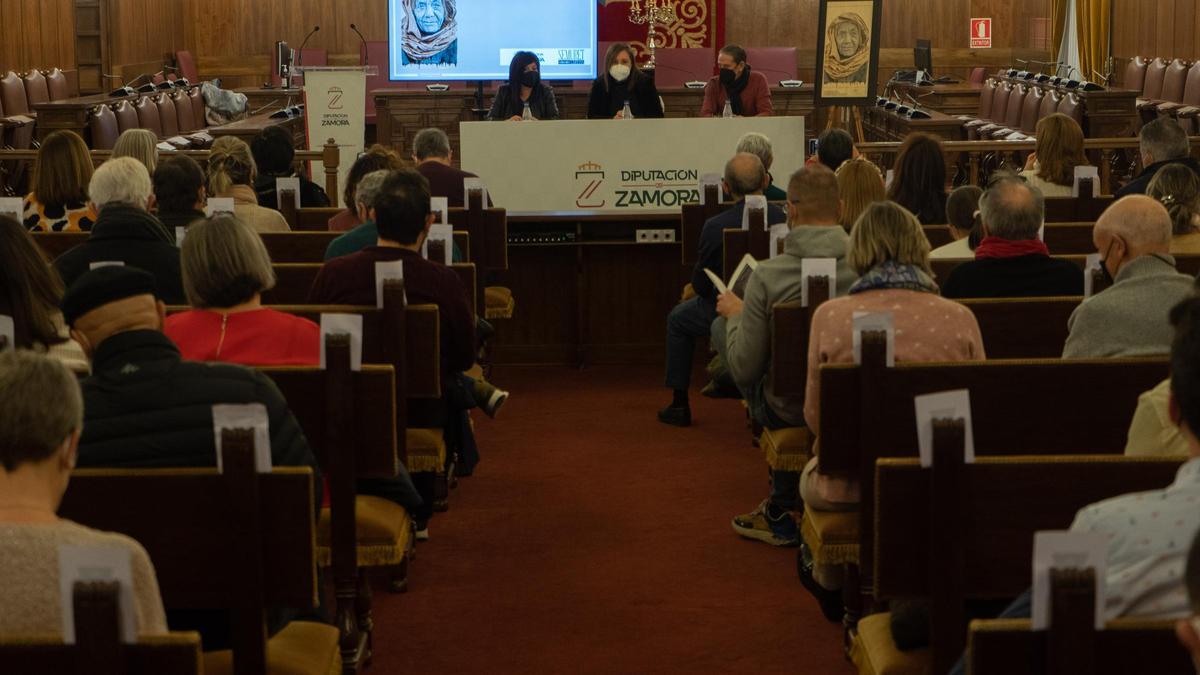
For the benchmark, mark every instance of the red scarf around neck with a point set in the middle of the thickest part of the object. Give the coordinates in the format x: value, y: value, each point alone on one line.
x: 995, y: 247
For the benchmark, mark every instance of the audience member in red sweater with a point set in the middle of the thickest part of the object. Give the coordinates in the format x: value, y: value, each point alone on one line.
x: 748, y: 93
x: 225, y: 270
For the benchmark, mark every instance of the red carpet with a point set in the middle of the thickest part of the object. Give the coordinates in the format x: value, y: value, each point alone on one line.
x: 593, y: 539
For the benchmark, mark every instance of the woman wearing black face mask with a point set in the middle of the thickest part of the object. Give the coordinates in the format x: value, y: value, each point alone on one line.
x: 525, y: 87
x: 623, y: 81
x: 747, y: 92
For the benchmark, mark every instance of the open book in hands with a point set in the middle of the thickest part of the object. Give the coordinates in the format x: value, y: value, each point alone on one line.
x: 739, y: 278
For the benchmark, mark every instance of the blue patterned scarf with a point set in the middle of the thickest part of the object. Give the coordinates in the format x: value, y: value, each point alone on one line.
x: 891, y: 274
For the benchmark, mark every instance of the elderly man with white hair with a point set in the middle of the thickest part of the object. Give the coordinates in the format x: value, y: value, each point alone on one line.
x: 126, y: 233
x: 759, y: 145
x: 1130, y: 318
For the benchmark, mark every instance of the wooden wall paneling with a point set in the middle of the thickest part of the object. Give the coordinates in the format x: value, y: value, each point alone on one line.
x: 1164, y: 28
x: 36, y: 34
x: 239, y: 51
x: 91, y: 45
x: 143, y: 34
x: 1019, y: 31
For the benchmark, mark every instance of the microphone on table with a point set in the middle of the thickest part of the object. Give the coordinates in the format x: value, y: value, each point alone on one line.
x: 125, y: 89
x: 363, y: 40
x: 659, y: 66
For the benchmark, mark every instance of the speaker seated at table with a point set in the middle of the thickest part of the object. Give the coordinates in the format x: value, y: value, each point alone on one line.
x: 524, y: 91
x: 621, y: 83
x: 747, y: 92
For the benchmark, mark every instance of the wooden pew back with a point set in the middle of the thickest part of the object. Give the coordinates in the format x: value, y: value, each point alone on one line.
x: 237, y: 540
x: 956, y: 531
x: 1005, y: 646
x: 1023, y: 328
x: 294, y: 281
x: 98, y: 648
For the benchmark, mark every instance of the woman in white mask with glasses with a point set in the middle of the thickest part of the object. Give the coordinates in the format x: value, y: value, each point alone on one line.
x: 623, y: 82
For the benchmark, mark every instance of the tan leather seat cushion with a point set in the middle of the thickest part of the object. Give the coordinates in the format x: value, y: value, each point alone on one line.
x: 382, y: 530
x: 832, y: 536
x: 787, y: 449
x: 874, y: 651
x: 426, y: 450
x: 301, y: 648
x: 499, y: 302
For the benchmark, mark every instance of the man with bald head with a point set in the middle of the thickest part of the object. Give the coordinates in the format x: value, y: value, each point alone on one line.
x: 744, y: 175
x: 1011, y: 261
x: 1129, y: 318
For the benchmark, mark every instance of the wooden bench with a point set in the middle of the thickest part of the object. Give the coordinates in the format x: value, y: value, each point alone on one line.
x: 1071, y: 238
x: 283, y: 247
x: 99, y: 648
x: 294, y: 281
x: 1022, y: 407
x: 349, y: 420
x: 959, y: 531
x: 236, y: 541
x: 1072, y: 644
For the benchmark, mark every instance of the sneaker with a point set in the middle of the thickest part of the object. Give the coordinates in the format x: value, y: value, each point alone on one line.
x: 422, y: 532
x: 678, y: 416
x: 758, y: 524
x: 497, y: 399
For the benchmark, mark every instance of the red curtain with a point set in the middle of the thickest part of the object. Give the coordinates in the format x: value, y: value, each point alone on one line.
x: 698, y: 23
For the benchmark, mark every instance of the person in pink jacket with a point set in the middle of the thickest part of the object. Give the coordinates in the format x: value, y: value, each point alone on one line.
x: 890, y: 253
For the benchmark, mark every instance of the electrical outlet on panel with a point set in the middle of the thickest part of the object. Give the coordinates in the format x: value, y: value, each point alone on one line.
x: 643, y: 236
x: 670, y: 235
x: 655, y: 235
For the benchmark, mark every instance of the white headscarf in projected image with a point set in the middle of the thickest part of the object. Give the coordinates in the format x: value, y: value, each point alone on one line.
x: 419, y: 46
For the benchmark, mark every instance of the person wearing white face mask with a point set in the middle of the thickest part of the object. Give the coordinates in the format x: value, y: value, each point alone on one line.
x: 622, y: 81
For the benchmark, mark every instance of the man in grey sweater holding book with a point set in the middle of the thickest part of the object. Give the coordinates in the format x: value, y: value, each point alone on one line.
x: 742, y: 333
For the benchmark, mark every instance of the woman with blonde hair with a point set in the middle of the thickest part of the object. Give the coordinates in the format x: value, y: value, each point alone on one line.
x: 1051, y: 167
x: 860, y: 184
x: 140, y: 144
x: 1178, y: 188
x: 889, y: 252
x: 226, y: 269
x: 59, y: 201
x: 231, y: 174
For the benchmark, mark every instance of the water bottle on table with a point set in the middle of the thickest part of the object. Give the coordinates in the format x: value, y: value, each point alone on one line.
x: 527, y: 114
x: 728, y: 111
x: 626, y: 113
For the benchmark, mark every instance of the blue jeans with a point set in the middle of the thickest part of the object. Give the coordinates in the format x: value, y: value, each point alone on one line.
x: 1021, y: 608
x: 688, y: 320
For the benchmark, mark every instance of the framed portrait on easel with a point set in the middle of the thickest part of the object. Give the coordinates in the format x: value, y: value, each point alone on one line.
x: 848, y: 52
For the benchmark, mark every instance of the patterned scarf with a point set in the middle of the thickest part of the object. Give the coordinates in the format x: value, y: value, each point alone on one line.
x: 420, y: 47
x: 891, y: 274
x: 837, y: 67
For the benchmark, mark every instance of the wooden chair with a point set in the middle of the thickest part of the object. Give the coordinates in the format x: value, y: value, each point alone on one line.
x: 56, y: 85
x: 236, y: 541
x: 1152, y: 84
x: 98, y: 648
x: 867, y: 412
x: 1135, y: 74
x: 1072, y: 643
x: 37, y: 89
x: 692, y: 218
x: 959, y: 531
x: 103, y: 126
x: 488, y: 230
x: 349, y: 420
x: 148, y: 117
x: 127, y: 118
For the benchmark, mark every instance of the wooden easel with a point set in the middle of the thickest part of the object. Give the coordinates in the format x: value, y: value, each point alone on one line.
x: 846, y: 113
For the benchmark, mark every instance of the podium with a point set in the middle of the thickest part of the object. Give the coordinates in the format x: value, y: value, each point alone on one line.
x: 335, y: 103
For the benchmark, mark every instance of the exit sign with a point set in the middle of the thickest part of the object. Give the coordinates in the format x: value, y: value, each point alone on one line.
x: 981, y: 33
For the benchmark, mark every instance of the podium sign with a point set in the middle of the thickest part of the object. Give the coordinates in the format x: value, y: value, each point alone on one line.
x: 616, y: 166
x: 335, y: 106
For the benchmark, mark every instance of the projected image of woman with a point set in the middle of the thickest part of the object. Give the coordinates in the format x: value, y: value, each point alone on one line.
x: 430, y: 33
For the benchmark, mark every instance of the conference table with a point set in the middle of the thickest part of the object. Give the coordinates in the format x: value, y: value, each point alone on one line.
x: 402, y: 113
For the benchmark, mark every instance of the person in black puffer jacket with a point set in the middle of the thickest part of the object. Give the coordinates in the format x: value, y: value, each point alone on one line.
x: 126, y: 232
x: 145, y: 407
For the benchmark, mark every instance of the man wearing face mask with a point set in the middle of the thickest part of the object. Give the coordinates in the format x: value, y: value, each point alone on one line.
x: 1130, y: 317
x: 622, y: 81
x: 747, y: 92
